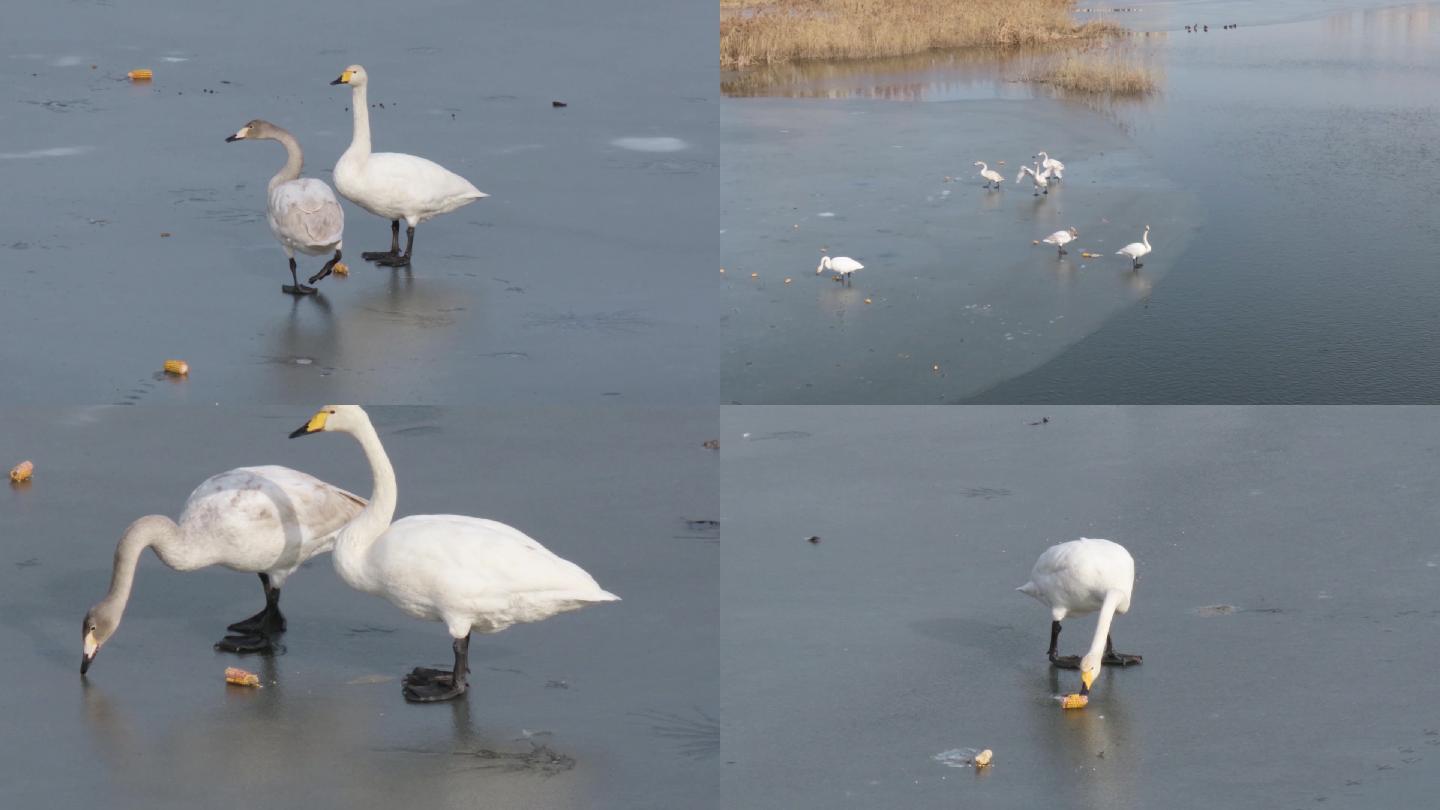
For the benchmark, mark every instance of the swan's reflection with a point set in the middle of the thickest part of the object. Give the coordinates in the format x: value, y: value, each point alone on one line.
x: 1094, y: 746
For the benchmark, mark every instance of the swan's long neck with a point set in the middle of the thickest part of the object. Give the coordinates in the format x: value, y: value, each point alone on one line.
x: 984, y: 167
x: 294, y: 159
x: 354, y: 541
x: 1102, y: 625
x: 360, y: 109
x: 1145, y: 237
x: 151, y: 530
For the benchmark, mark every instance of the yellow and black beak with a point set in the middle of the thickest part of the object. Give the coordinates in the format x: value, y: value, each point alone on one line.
x: 315, y: 425
x: 344, y: 78
x: 1086, y: 679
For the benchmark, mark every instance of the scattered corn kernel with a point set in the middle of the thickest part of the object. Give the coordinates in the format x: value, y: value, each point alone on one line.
x: 340, y: 269
x: 240, y: 677
x: 179, y: 368
x: 722, y: 271
x: 983, y: 758
x: 787, y: 281
x: 141, y: 75
x: 868, y: 301
x: 1074, y: 701
x: 22, y: 471
x: 754, y: 275
x: 1034, y: 241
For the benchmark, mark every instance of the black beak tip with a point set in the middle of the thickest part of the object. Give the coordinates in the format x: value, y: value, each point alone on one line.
x: 85, y: 665
x: 337, y: 81
x: 230, y: 138
x: 303, y: 430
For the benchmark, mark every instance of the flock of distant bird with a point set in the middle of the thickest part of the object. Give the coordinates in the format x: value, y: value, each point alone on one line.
x: 305, y: 216
x: 1197, y: 29
x: 1044, y: 172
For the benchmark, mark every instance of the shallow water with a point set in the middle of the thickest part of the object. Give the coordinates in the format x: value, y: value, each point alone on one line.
x: 1283, y: 152
x: 1286, y: 571
x: 613, y: 706
x: 575, y: 282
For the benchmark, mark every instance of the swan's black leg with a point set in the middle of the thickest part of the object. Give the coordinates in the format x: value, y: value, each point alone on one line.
x: 297, y: 288
x: 1114, y: 659
x: 402, y: 260
x: 433, y: 685
x: 256, y: 633
x: 375, y: 255
x: 327, y: 269
x: 1060, y: 661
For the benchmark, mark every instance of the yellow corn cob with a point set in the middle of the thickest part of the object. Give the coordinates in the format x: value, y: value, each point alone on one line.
x: 340, y: 269
x: 1074, y: 701
x: 141, y: 75
x: 240, y: 677
x: 177, y: 367
x: 22, y: 471
x: 983, y: 758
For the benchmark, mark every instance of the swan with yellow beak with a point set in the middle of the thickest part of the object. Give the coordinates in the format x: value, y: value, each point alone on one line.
x: 1076, y: 579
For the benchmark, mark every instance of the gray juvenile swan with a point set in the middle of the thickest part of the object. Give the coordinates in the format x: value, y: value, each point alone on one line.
x: 303, y: 212
x: 264, y: 520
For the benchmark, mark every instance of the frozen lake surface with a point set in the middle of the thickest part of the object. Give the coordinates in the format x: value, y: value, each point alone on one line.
x: 1284, y: 602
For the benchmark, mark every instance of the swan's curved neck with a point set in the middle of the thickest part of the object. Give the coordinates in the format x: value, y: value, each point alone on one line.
x: 359, y: 534
x: 151, y: 530
x: 1145, y: 237
x: 360, y: 110
x: 983, y: 166
x: 1102, y: 625
x: 294, y: 159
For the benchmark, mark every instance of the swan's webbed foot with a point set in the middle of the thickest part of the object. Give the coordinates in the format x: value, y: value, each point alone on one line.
x: 425, y: 685
x: 391, y: 260
x: 442, y: 688
x: 250, y: 625
x: 395, y: 258
x: 1065, y: 661
x: 423, y: 675
x: 327, y: 269
x: 296, y: 288
x: 1114, y: 659
x: 249, y: 643
x: 376, y: 255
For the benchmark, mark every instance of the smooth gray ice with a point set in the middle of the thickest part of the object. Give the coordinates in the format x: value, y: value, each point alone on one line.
x: 610, y: 707
x: 582, y: 279
x: 1284, y: 602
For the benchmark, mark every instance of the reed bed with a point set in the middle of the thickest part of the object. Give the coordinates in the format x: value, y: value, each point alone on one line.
x: 767, y: 32
x: 1102, y: 72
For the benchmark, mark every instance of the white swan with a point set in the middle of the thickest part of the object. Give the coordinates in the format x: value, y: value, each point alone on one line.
x: 1078, y: 578
x: 303, y: 213
x: 844, y: 265
x: 1135, y: 250
x: 393, y: 185
x: 1038, y: 177
x: 1061, y: 238
x: 265, y: 520
x: 1053, y: 167
x: 471, y: 574
x: 990, y: 175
